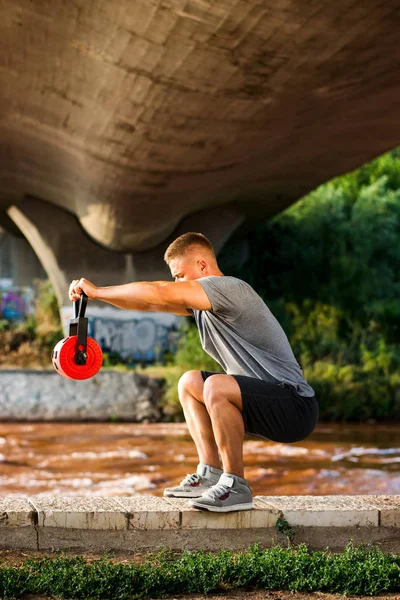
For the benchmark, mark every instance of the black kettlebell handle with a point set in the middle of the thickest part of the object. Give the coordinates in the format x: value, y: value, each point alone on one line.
x: 80, y: 306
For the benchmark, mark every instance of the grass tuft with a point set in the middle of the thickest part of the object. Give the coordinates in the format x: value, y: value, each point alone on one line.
x: 363, y: 570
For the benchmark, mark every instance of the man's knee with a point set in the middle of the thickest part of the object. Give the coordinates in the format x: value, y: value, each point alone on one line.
x: 219, y: 389
x: 191, y: 382
x: 213, y: 391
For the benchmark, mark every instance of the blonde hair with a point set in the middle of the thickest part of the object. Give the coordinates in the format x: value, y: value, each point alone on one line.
x: 181, y: 245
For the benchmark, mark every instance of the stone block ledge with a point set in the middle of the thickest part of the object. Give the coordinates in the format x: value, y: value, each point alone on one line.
x: 148, y: 523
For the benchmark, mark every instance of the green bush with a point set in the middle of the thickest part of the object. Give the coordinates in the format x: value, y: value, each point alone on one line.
x: 347, y: 392
x: 328, y: 269
x: 46, y: 323
x: 190, y: 355
x: 5, y: 325
x: 356, y: 376
x: 31, y: 341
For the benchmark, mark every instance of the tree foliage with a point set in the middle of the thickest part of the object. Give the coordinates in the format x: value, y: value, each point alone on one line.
x: 329, y: 268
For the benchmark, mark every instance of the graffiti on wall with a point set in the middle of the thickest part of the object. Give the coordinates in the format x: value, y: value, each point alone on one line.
x: 142, y: 340
x: 140, y: 337
x: 16, y: 303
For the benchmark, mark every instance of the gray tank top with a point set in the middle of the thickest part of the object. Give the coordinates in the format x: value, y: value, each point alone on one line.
x: 244, y: 337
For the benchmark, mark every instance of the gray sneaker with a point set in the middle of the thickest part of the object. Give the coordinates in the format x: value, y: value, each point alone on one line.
x: 194, y: 485
x: 229, y: 494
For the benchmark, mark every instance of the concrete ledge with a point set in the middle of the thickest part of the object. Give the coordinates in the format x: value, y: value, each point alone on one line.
x: 143, y: 523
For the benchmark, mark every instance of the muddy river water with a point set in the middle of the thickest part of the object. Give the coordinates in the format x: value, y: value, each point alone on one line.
x: 121, y: 459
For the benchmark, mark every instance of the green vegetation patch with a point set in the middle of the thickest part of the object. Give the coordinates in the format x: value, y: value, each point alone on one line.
x: 328, y: 268
x: 29, y: 344
x: 358, y: 570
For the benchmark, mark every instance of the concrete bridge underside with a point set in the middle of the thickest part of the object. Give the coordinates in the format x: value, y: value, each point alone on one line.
x: 123, y: 123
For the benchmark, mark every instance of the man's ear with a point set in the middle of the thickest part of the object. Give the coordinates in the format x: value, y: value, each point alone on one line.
x: 202, y: 264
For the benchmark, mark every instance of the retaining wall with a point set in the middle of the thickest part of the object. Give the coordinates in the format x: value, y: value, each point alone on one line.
x: 148, y: 523
x: 28, y: 395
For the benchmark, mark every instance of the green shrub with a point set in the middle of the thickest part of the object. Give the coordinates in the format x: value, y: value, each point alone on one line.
x: 30, y: 342
x: 334, y: 247
x: 5, y: 325
x: 328, y: 269
x: 348, y: 392
x: 46, y: 318
x: 190, y: 355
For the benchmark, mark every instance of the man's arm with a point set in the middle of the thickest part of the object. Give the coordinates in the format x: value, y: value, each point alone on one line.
x: 160, y: 296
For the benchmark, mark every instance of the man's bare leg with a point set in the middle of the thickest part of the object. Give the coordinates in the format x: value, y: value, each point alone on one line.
x: 223, y: 400
x: 190, y: 389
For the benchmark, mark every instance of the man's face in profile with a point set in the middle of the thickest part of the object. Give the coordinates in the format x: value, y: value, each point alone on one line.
x: 185, y: 268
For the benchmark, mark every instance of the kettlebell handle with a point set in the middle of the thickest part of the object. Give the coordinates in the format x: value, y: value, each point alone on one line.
x: 80, y: 306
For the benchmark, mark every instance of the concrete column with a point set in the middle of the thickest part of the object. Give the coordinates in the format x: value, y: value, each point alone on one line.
x: 18, y: 262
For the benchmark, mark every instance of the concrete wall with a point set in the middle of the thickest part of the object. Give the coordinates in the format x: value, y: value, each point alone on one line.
x: 27, y: 395
x: 148, y: 523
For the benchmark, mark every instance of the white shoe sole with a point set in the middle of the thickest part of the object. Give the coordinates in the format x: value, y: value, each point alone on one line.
x: 222, y: 509
x: 183, y: 494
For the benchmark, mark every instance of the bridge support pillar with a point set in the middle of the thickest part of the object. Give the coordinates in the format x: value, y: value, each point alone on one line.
x: 66, y: 252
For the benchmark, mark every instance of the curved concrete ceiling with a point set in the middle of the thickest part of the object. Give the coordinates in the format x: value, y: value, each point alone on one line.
x: 133, y: 114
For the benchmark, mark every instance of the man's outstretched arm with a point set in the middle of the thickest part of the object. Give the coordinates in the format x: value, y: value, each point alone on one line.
x: 160, y: 296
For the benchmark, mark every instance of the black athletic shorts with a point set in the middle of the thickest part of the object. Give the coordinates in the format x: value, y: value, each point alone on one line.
x: 274, y: 411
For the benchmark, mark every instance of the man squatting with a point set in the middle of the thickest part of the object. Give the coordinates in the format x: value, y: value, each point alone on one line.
x: 262, y: 391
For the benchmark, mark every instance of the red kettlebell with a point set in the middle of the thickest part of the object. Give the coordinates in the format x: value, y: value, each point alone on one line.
x: 77, y: 356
